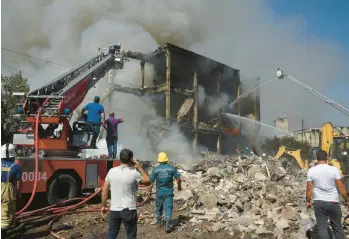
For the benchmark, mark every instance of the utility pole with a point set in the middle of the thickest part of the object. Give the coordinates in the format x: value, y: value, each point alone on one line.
x: 302, y: 129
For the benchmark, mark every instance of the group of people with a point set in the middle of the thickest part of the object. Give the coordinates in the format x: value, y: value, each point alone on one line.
x: 324, y: 184
x: 122, y: 181
x: 96, y: 118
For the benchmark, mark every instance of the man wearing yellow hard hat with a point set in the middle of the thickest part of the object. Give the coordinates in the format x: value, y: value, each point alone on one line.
x: 164, y: 174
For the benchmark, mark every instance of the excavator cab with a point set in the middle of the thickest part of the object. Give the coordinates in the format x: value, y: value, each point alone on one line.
x: 313, y: 152
x: 340, y: 152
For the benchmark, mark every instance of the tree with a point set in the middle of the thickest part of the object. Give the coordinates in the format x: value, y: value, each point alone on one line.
x: 10, y: 84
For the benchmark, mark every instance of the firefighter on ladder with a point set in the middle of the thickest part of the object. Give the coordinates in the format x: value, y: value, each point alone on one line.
x: 11, y: 174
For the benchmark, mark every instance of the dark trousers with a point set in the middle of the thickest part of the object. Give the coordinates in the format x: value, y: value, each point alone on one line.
x: 4, y: 232
x: 112, y: 144
x: 325, y: 210
x: 128, y: 218
x: 96, y: 131
x: 164, y: 203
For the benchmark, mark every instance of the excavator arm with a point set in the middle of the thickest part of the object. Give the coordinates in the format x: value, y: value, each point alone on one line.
x: 296, y: 154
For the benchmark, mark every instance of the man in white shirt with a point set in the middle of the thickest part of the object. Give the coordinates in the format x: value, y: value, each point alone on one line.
x: 325, y: 182
x: 123, y: 183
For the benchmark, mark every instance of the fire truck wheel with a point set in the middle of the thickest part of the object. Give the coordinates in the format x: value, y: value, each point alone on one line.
x: 62, y: 187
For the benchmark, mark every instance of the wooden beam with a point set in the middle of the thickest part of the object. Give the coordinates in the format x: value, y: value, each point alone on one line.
x: 182, y: 91
x: 168, y: 85
x: 218, y: 94
x: 196, y: 112
x: 139, y: 91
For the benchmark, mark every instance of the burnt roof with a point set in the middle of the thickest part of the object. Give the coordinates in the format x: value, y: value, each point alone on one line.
x: 152, y: 57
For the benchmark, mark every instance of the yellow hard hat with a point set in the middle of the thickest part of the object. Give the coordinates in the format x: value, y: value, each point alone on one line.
x: 162, y: 158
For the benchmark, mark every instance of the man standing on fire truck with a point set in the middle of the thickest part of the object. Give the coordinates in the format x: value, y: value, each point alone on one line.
x: 95, y: 117
x: 11, y: 174
x: 111, y: 126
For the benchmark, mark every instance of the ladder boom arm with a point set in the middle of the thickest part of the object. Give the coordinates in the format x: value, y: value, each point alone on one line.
x: 334, y: 104
x: 67, y: 91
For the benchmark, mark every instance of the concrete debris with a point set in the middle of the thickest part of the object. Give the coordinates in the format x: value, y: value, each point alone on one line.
x: 217, y: 226
x: 248, y: 195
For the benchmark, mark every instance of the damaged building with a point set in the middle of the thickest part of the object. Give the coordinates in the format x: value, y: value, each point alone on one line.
x: 196, y: 90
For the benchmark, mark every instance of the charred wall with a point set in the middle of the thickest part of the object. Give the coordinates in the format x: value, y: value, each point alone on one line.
x: 175, y: 69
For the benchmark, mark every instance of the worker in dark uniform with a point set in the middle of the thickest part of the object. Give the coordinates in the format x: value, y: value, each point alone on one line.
x: 11, y: 176
x: 164, y: 174
x: 95, y: 117
x: 111, y: 126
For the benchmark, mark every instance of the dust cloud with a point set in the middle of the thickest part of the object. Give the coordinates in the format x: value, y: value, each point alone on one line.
x: 242, y: 34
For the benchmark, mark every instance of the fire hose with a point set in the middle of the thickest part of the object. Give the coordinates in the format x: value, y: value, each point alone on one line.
x: 53, y: 212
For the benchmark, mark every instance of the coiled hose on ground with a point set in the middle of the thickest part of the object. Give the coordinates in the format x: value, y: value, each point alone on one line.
x: 50, y: 214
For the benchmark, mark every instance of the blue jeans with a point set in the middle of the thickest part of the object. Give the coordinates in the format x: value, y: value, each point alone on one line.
x: 112, y: 144
x: 164, y: 202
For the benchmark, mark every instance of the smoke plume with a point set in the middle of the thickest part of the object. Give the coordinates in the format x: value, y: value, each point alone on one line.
x: 242, y: 34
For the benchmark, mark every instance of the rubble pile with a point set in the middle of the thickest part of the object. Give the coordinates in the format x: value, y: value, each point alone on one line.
x: 244, y: 195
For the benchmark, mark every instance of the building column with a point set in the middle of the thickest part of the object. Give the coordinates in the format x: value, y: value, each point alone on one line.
x: 237, y: 97
x: 142, y: 74
x: 196, y: 112
x: 168, y: 86
x: 218, y: 94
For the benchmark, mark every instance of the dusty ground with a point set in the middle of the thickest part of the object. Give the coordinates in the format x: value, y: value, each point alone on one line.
x: 95, y: 225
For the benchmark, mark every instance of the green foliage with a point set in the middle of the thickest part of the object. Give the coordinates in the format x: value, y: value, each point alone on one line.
x: 10, y: 84
x: 271, y: 146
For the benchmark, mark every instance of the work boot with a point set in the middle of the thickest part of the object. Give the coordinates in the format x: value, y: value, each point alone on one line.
x: 167, y: 227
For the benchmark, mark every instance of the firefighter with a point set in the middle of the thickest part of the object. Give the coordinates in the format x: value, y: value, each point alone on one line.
x: 95, y: 117
x: 11, y: 174
x: 164, y: 174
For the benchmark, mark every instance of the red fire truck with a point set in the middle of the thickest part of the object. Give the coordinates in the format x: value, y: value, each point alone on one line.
x: 61, y: 173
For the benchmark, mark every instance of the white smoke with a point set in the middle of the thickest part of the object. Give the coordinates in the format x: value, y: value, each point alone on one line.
x: 241, y: 34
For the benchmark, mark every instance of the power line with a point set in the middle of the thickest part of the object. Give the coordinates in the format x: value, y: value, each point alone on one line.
x: 35, y: 57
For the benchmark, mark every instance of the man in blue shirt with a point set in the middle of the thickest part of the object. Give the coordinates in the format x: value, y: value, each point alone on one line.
x: 11, y: 175
x: 95, y: 117
x: 164, y: 175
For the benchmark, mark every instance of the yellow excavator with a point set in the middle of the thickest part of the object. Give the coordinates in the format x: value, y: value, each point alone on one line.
x: 333, y: 142
x: 336, y: 145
